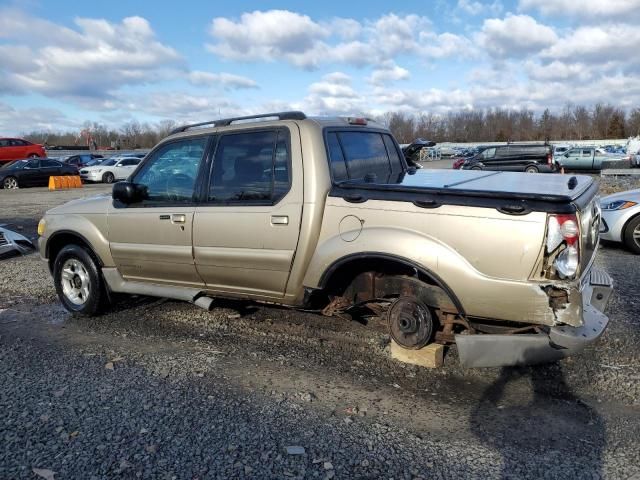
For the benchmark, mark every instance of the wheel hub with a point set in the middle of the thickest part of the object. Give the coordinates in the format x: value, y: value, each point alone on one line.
x: 410, y: 323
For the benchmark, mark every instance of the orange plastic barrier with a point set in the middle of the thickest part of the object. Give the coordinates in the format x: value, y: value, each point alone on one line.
x: 64, y: 182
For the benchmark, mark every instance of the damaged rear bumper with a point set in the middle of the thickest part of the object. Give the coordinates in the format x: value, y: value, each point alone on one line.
x: 488, y: 350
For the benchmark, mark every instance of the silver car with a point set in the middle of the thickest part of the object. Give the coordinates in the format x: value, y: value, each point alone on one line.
x: 621, y: 219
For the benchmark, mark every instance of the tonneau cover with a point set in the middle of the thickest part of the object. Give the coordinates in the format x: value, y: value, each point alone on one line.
x: 548, y: 187
x: 522, y: 192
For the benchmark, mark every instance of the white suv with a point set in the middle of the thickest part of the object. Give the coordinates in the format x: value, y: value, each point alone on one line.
x: 110, y: 170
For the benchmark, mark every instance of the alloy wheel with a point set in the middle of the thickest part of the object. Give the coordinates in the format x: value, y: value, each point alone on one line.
x: 75, y: 281
x: 10, y: 183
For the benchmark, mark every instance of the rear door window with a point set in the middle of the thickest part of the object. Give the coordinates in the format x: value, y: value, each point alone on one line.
x: 49, y: 163
x: 251, y: 168
x: 353, y: 155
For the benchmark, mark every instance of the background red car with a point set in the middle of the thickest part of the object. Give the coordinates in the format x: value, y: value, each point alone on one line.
x: 17, y: 149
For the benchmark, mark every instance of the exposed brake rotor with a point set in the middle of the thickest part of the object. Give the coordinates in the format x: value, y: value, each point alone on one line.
x: 411, y: 324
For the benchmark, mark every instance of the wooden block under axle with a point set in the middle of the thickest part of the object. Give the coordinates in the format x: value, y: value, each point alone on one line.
x: 431, y: 356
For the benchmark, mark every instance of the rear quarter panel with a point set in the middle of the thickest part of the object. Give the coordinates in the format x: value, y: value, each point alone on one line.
x: 484, y: 256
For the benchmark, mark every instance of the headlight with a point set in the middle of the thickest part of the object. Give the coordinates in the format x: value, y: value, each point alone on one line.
x: 41, y: 227
x: 618, y: 205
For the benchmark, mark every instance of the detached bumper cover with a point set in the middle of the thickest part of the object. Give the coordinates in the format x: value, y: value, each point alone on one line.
x: 561, y: 341
x: 12, y: 242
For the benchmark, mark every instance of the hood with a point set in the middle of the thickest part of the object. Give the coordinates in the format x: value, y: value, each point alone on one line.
x: 95, y: 167
x: 97, y: 204
x: 632, y: 195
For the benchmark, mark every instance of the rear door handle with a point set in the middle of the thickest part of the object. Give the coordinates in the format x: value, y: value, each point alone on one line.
x: 279, y: 220
x: 178, y: 218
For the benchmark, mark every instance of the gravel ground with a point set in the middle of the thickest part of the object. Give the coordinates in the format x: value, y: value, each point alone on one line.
x: 162, y: 389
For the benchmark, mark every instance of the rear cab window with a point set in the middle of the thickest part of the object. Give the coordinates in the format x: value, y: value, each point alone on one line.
x: 354, y: 154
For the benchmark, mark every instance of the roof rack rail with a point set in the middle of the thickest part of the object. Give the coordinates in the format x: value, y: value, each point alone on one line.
x: 292, y: 115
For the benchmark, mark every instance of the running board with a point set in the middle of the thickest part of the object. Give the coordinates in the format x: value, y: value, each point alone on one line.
x: 117, y: 284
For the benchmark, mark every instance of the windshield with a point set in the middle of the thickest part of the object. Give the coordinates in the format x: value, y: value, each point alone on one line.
x: 15, y: 165
x: 94, y: 162
x: 109, y: 163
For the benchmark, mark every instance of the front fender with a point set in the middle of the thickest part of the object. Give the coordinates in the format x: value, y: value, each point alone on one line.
x: 91, y: 228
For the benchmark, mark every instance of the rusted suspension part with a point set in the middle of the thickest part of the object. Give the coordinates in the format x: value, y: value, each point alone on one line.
x: 448, y: 320
x: 336, y: 306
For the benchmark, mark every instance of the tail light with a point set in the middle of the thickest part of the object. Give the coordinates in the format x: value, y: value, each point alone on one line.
x: 563, y: 242
x: 549, y: 158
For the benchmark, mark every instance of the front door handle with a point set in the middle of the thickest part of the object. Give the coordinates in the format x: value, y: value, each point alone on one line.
x: 279, y: 220
x: 178, y: 218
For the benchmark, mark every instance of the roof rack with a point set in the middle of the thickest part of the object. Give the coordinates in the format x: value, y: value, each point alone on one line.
x: 292, y: 115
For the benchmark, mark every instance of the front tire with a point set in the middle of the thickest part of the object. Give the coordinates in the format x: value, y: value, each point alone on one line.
x: 78, y: 281
x: 631, y: 237
x: 476, y: 168
x: 10, y: 183
x: 34, y: 155
x: 108, y: 177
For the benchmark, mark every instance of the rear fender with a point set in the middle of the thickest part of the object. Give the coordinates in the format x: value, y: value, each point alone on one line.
x: 478, y: 294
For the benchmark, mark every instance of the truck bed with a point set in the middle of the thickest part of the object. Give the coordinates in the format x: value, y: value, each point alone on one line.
x: 516, y: 193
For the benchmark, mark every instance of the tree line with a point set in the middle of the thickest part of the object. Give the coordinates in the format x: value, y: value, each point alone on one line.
x: 572, y: 122
x: 131, y: 135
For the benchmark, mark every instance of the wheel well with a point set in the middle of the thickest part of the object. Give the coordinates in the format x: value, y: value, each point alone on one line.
x: 626, y: 224
x: 342, y: 274
x: 60, y: 240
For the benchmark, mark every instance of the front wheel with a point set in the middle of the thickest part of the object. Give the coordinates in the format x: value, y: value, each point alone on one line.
x: 476, y: 168
x: 108, y: 177
x: 631, y: 237
x: 34, y: 155
x: 531, y: 169
x: 10, y: 183
x: 78, y: 281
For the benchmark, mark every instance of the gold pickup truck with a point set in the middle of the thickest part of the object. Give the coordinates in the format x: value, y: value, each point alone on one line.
x: 326, y: 213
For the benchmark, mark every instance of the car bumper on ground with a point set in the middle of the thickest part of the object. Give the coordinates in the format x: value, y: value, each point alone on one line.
x: 14, y: 243
x: 552, y: 344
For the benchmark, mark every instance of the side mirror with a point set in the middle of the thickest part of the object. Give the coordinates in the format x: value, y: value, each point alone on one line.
x: 128, y: 192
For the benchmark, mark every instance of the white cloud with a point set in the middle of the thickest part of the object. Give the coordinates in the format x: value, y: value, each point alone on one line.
x: 92, y: 62
x: 515, y: 35
x: 559, y: 71
x: 268, y: 36
x: 337, y: 85
x: 282, y: 35
x: 225, y: 80
x: 333, y: 95
x: 446, y: 45
x: 24, y: 120
x: 388, y: 72
x: 584, y: 8
x: 599, y: 44
x: 477, y: 8
x: 182, y: 106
